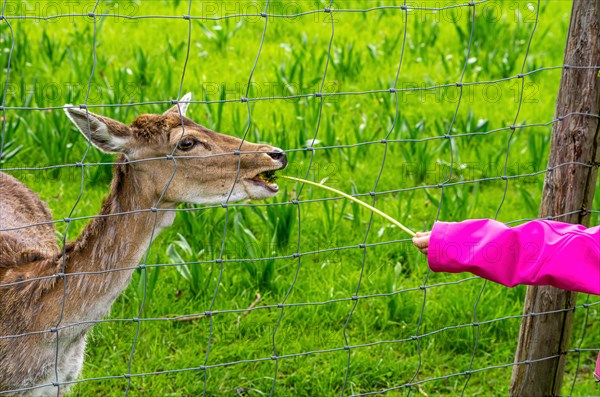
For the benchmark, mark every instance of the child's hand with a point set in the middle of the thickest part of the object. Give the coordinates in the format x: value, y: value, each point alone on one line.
x: 421, y: 241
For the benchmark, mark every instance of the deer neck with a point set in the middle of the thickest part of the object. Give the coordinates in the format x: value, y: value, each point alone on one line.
x: 105, y: 254
x: 111, y: 241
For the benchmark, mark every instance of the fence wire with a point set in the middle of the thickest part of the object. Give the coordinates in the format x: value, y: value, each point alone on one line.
x: 403, y: 12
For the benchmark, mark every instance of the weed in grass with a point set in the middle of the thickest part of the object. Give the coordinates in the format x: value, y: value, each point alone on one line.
x: 538, y: 145
x: 421, y: 38
x: 21, y: 52
x: 347, y: 61
x: 404, y: 207
x: 262, y: 272
x: 197, y: 277
x: 531, y: 205
x: 505, y: 60
x: 354, y: 216
x: 143, y: 74
x: 146, y: 283
x: 399, y: 311
x: 10, y: 150
x: 280, y: 221
x: 214, y: 112
x: 54, y: 50
x: 333, y: 215
x: 419, y: 156
x: 221, y: 32
x: 458, y: 202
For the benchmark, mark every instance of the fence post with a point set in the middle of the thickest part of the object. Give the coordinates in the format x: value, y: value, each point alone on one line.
x: 569, y: 188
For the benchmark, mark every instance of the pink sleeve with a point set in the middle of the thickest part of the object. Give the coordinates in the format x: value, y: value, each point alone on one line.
x: 536, y: 253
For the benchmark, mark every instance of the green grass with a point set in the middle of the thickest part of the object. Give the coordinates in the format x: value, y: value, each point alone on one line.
x: 143, y: 60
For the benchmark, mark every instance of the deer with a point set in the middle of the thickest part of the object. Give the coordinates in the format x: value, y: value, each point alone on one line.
x: 48, y: 292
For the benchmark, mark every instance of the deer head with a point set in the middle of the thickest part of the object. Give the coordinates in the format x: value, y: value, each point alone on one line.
x: 206, y: 168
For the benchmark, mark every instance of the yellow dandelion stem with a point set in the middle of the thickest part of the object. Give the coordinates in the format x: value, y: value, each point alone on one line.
x: 367, y: 206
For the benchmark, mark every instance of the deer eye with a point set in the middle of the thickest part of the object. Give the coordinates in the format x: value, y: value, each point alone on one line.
x: 187, y: 144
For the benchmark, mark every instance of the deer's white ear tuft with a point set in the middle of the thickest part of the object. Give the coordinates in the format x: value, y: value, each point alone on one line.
x: 106, y: 134
x: 183, y: 105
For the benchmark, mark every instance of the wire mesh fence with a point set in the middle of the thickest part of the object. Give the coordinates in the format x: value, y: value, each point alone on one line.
x: 355, y: 337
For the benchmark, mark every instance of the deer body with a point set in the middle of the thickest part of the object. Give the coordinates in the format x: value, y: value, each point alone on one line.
x: 32, y: 313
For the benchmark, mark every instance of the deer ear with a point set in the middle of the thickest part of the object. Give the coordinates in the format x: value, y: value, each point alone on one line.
x: 106, y: 134
x: 183, y: 105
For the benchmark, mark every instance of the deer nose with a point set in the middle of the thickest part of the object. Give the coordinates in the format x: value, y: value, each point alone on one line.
x: 278, y: 155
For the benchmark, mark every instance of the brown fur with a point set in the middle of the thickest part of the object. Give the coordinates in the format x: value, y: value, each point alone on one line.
x: 109, y: 246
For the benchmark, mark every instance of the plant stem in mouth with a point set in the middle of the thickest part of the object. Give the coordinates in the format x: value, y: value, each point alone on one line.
x: 367, y: 206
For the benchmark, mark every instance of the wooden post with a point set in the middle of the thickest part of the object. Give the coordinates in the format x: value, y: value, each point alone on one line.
x: 566, y: 189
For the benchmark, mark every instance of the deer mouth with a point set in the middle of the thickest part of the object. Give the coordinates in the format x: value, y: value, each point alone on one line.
x: 266, y: 180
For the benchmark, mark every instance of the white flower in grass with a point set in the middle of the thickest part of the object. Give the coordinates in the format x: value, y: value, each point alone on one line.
x: 312, y: 142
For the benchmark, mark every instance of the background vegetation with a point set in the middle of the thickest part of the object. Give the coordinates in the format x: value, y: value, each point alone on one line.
x: 142, y: 60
